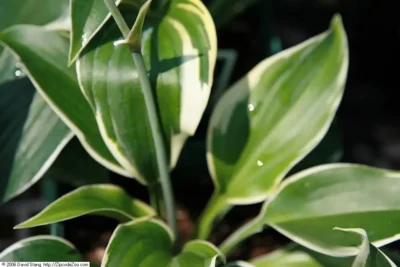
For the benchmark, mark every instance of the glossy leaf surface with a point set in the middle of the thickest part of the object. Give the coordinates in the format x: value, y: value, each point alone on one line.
x: 198, y: 254
x: 31, y: 138
x: 87, y: 19
x: 107, y: 200
x: 28, y: 12
x: 282, y: 258
x: 313, y: 202
x: 148, y: 242
x: 41, y: 248
x: 369, y: 255
x: 180, y: 54
x: 44, y: 55
x: 275, y: 115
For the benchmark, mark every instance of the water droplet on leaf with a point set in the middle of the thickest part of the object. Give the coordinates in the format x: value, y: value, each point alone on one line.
x: 251, y: 107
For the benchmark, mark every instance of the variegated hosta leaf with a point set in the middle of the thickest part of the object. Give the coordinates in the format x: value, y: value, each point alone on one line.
x: 148, y: 242
x: 41, y: 248
x: 31, y: 137
x: 369, y: 255
x: 106, y: 199
x: 44, y: 55
x: 275, y: 115
x: 49, y: 13
x: 88, y: 17
x: 313, y: 202
x: 180, y: 54
x: 283, y: 258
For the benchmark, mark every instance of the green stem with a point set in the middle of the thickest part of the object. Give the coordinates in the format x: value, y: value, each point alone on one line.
x: 161, y: 155
x: 155, y: 193
x: 241, y: 234
x: 216, y: 208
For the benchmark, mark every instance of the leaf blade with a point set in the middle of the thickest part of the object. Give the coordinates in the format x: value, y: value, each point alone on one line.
x: 41, y: 248
x: 44, y: 55
x: 325, y: 205
x: 107, y: 200
x: 256, y: 133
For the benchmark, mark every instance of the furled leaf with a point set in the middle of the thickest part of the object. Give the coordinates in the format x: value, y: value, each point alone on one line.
x: 44, y: 55
x: 275, y: 115
x: 179, y: 55
x: 41, y: 248
x: 313, y: 202
x: 31, y: 137
x: 369, y: 255
x: 148, y: 242
x: 107, y: 200
x: 283, y: 258
x: 74, y: 166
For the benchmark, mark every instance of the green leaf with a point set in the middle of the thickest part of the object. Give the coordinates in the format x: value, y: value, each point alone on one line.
x: 369, y: 255
x: 41, y: 248
x: 88, y: 17
x: 36, y: 12
x: 32, y: 138
x: 105, y: 199
x: 149, y: 242
x: 145, y: 242
x: 134, y: 38
x: 180, y: 58
x: 313, y: 202
x: 44, y: 55
x: 273, y: 117
x: 198, y: 254
x: 284, y: 258
x: 52, y: 14
x: 76, y: 167
x: 239, y: 264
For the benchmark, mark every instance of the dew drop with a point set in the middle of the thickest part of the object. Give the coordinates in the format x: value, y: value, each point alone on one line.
x: 251, y: 107
x: 18, y: 71
x: 84, y: 39
x: 260, y: 163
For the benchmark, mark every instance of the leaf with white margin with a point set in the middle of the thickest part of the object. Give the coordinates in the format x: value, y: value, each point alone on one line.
x: 31, y: 138
x: 41, y: 248
x: 311, y: 203
x: 149, y: 242
x: 273, y: 117
x: 104, y: 199
x: 44, y: 56
x: 88, y: 17
x: 369, y: 255
x: 285, y: 258
x: 180, y: 57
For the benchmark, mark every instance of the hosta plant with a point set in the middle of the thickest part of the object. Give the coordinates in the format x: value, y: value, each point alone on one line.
x: 130, y: 82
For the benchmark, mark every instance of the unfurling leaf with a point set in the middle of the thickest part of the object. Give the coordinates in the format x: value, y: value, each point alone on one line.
x: 179, y: 53
x: 275, y: 115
